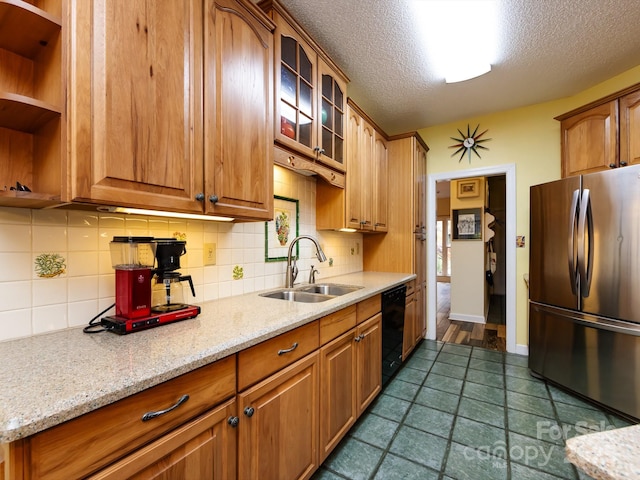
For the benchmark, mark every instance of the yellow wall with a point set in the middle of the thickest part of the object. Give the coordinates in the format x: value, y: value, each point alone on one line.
x: 528, y: 137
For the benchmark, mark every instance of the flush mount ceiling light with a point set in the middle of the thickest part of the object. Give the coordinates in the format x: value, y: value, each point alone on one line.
x: 459, y: 35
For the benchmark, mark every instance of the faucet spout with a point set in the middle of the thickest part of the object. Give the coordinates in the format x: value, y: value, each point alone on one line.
x: 319, y: 253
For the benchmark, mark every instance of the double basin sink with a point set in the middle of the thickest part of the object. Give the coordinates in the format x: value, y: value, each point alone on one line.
x: 312, y: 293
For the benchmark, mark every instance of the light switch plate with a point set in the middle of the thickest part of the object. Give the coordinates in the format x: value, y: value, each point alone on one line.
x: 209, y: 254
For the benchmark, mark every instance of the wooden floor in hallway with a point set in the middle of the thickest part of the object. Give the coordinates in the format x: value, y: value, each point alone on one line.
x: 491, y: 335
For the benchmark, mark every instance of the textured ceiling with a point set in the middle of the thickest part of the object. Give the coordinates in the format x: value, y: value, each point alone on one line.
x: 549, y: 49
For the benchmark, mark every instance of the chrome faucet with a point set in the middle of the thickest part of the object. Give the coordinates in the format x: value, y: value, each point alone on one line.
x: 312, y: 274
x: 292, y: 270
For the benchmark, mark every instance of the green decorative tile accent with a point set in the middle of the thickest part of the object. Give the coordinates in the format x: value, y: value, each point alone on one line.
x: 50, y: 265
x: 238, y: 272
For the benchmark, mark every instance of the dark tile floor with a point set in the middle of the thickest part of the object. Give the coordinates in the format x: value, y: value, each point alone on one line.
x: 460, y: 412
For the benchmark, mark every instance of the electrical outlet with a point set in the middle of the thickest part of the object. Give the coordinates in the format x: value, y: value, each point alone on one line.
x: 209, y: 254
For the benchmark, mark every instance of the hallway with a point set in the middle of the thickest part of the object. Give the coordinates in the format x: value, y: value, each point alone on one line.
x: 491, y: 335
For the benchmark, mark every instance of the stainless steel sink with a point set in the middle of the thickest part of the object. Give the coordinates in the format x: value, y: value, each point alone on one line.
x: 297, y: 296
x: 318, y: 292
x: 333, y: 289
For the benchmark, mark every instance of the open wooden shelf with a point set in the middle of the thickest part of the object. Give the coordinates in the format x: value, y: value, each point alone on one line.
x: 24, y: 113
x: 25, y: 29
x: 14, y: 198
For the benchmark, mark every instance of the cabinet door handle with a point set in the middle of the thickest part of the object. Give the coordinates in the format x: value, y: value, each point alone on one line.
x: 151, y: 415
x: 287, y: 350
x: 249, y: 411
x: 233, y: 421
x: 359, y: 338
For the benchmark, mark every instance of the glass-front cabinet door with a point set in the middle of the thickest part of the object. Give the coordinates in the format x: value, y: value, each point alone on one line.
x: 310, y: 100
x: 295, y: 92
x: 332, y: 111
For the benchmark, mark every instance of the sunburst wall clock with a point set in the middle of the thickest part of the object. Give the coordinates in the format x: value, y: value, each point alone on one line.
x: 469, y: 143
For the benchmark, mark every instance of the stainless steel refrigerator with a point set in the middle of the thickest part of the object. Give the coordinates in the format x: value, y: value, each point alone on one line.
x: 584, y: 274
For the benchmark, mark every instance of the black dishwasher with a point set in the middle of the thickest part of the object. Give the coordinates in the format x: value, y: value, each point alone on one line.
x: 393, y: 302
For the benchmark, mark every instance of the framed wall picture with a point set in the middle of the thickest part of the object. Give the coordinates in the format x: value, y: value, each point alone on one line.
x: 467, y: 224
x: 279, y: 232
x: 468, y: 188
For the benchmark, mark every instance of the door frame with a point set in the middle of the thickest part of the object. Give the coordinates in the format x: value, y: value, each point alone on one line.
x: 509, y: 171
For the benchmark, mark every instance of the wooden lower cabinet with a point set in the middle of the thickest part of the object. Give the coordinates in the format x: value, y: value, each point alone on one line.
x: 369, y: 355
x: 278, y: 430
x: 204, y: 448
x: 338, y: 406
x: 410, y: 334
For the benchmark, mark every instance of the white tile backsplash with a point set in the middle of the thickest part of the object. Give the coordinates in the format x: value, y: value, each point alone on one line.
x: 33, y: 305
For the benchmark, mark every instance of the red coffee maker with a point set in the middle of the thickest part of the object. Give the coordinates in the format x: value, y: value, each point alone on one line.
x: 133, y: 260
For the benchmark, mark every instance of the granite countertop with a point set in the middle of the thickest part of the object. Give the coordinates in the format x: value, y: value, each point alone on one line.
x: 607, y: 455
x: 51, y: 378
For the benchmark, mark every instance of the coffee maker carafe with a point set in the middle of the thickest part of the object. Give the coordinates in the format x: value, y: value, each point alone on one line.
x: 167, y: 281
x: 133, y: 260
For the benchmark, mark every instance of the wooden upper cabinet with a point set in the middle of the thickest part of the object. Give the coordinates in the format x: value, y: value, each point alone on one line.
x: 139, y: 135
x: 367, y: 164
x: 603, y: 134
x: 238, y: 99
x: 311, y: 93
x: 380, y: 170
x: 630, y: 129
x: 135, y: 118
x: 590, y: 140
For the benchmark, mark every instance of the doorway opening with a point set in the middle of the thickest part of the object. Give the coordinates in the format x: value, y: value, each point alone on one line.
x: 439, y: 258
x: 490, y: 333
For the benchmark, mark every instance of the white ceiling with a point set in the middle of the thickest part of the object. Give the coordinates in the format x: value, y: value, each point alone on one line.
x: 549, y: 49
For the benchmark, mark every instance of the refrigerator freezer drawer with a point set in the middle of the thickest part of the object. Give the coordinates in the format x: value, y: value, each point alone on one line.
x: 594, y: 357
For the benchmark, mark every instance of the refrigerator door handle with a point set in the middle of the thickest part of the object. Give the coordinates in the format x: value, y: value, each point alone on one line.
x: 571, y: 250
x: 585, y: 225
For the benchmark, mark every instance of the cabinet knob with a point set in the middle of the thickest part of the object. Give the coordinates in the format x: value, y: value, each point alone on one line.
x: 612, y: 165
x: 623, y: 163
x: 359, y: 338
x: 200, y: 196
x: 213, y: 198
x: 233, y: 421
x: 249, y: 411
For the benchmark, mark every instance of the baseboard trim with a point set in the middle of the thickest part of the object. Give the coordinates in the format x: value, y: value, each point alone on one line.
x: 467, y: 318
x: 522, y: 349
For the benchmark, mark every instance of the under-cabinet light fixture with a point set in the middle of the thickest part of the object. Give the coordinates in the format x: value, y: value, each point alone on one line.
x: 348, y: 230
x: 160, y: 213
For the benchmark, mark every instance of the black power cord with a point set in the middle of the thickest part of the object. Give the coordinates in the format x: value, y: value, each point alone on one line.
x: 95, y: 327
